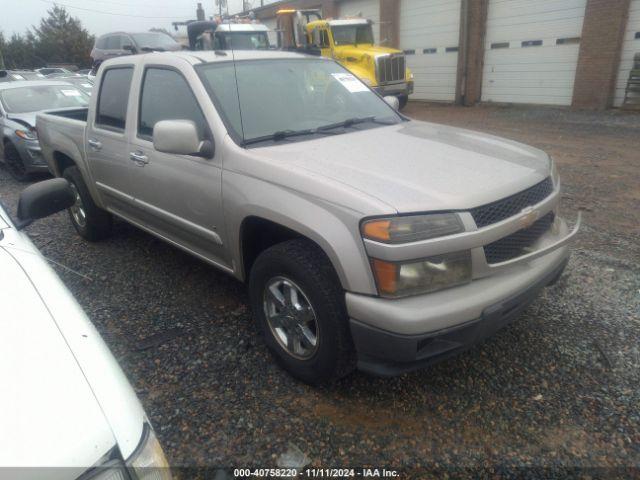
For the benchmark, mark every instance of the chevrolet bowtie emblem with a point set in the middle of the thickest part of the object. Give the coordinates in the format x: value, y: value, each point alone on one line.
x: 529, y: 217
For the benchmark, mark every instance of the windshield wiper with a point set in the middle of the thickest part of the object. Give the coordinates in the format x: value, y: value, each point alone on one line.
x: 350, y: 122
x: 284, y: 134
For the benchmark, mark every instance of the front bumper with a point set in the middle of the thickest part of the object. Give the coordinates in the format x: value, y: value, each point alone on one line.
x: 31, y: 154
x: 386, y: 353
x: 396, y: 335
x: 395, y: 89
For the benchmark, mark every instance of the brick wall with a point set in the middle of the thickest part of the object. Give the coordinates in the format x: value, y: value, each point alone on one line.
x: 390, y: 22
x: 602, y: 35
x: 471, y: 52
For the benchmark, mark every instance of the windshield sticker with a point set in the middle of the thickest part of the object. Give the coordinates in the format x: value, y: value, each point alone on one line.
x: 70, y: 93
x: 350, y: 82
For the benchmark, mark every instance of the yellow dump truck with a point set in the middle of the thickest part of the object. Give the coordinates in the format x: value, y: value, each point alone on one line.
x: 349, y: 41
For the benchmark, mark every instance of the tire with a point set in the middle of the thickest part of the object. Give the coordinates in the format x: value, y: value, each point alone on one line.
x: 15, y: 164
x: 403, y: 99
x: 97, y: 223
x: 304, y: 265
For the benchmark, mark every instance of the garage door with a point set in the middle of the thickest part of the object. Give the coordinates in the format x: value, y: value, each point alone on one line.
x: 369, y: 9
x: 429, y: 35
x: 532, y: 51
x: 630, y: 47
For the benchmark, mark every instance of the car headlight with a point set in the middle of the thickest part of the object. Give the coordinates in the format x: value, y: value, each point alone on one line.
x: 27, y: 134
x: 148, y: 461
x: 414, y: 277
x: 402, y: 279
x: 412, y: 228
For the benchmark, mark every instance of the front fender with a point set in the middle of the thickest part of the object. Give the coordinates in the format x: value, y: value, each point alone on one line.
x: 334, y: 228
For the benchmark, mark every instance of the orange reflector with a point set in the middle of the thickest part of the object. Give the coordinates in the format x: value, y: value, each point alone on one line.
x: 386, y: 275
x: 377, y: 230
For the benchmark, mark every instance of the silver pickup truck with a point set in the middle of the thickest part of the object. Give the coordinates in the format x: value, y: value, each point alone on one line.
x: 366, y: 239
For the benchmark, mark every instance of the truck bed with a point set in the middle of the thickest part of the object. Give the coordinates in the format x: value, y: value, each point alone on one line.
x: 61, y: 133
x: 74, y: 114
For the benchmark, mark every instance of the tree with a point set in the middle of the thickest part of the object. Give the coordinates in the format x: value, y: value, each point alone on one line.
x: 19, y: 52
x: 60, y: 38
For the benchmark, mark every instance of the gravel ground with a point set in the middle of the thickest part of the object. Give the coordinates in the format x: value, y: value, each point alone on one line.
x: 556, y: 390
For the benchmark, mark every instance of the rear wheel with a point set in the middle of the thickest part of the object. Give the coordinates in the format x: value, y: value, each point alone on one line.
x: 403, y: 99
x: 14, y: 163
x: 298, y: 304
x: 90, y: 221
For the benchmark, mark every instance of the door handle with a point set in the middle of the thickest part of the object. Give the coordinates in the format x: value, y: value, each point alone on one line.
x: 94, y: 144
x: 139, y: 158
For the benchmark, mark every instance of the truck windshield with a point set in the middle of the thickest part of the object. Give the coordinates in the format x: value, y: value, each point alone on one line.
x: 241, y: 41
x: 352, y: 34
x: 42, y: 97
x: 272, y: 97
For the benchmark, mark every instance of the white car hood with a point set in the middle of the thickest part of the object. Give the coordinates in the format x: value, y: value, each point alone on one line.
x: 65, y: 401
x: 46, y: 402
x: 418, y: 166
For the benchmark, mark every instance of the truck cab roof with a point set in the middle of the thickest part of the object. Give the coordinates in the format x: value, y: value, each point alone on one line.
x: 195, y: 58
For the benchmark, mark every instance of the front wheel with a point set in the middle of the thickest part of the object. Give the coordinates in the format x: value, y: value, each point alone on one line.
x: 90, y: 221
x: 298, y: 304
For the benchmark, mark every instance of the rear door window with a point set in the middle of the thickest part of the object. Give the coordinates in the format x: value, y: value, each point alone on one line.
x: 113, y: 42
x: 177, y: 102
x: 114, y: 98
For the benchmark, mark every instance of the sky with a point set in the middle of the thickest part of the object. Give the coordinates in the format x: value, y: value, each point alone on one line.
x: 16, y: 16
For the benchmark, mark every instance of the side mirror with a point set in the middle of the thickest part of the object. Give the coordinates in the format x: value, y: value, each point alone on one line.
x: 393, y: 102
x: 43, y: 199
x: 180, y: 137
x: 129, y: 48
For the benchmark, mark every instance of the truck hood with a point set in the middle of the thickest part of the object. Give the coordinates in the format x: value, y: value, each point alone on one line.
x: 418, y: 166
x: 364, y: 49
x: 27, y: 119
x: 65, y: 401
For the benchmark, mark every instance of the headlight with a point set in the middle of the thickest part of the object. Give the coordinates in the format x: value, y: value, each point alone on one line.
x: 395, y: 280
x: 413, y: 228
x: 27, y: 134
x: 148, y: 461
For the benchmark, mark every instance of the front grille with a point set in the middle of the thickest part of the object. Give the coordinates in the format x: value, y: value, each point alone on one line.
x: 517, y: 244
x: 391, y: 68
x: 508, y: 207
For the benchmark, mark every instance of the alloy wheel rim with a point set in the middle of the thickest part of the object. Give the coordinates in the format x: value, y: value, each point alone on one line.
x: 291, y: 318
x: 77, y: 209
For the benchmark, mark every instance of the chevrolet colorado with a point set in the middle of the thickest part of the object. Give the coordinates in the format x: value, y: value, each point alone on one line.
x: 366, y: 239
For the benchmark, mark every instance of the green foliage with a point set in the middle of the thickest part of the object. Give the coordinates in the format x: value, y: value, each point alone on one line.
x: 59, y: 38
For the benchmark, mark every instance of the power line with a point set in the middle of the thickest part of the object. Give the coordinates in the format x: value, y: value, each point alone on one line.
x: 175, y: 17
